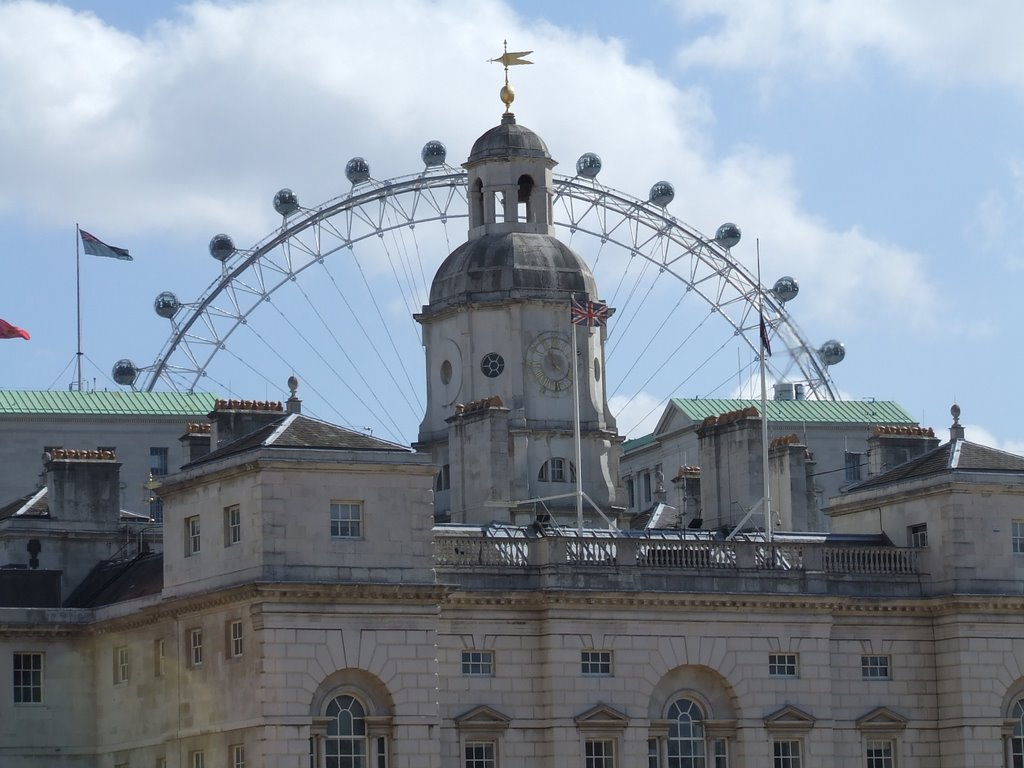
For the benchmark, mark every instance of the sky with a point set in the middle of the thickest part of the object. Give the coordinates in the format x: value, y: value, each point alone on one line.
x: 872, y: 150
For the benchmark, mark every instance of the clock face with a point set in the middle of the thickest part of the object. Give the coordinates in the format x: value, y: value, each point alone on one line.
x: 549, y: 359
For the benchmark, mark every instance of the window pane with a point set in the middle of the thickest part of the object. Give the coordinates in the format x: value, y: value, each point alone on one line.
x: 599, y: 754
x: 346, y: 520
x: 686, y: 735
x: 480, y: 754
x: 478, y: 663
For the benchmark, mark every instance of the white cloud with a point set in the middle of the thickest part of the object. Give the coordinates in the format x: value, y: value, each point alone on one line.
x: 996, y: 217
x: 982, y: 436
x: 636, y: 415
x: 941, y: 41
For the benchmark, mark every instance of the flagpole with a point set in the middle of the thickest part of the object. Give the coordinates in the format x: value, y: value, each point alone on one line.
x: 78, y: 303
x: 764, y: 403
x: 576, y: 428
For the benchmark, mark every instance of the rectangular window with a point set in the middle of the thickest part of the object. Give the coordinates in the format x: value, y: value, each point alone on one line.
x: 647, y: 486
x: 782, y: 665
x: 197, y: 760
x: 158, y: 461
x: 28, y: 678
x: 880, y: 753
x: 161, y: 762
x: 159, y: 651
x: 720, y: 750
x: 478, y: 663
x: 917, y: 535
x: 195, y: 646
x: 232, y: 525
x: 346, y: 519
x: 237, y: 756
x: 596, y: 663
x: 235, y: 638
x: 192, y: 539
x: 854, y: 466
x: 631, y: 492
x: 121, y: 665
x: 480, y: 754
x: 874, y: 667
x: 382, y: 752
x: 557, y: 470
x: 786, y: 754
x: 652, y: 753
x: 599, y: 753
x: 156, y: 509
x: 1018, y: 537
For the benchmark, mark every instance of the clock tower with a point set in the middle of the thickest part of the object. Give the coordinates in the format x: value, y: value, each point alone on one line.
x: 499, y: 420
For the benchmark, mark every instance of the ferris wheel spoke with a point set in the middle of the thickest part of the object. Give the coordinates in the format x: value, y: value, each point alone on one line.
x: 668, y: 358
x: 619, y: 334
x: 641, y: 354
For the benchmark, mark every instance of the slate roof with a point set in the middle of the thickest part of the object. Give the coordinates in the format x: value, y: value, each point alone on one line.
x: 111, y: 582
x: 817, y: 411
x: 956, y: 455
x: 114, y: 403
x: 34, y: 504
x: 294, y: 430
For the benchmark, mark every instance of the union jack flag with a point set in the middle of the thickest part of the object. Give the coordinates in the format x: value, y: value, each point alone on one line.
x: 590, y: 313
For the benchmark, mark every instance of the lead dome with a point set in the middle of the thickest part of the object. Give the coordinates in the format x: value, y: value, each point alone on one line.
x: 508, y: 140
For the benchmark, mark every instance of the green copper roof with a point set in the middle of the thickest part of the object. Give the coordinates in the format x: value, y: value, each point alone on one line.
x: 820, y: 411
x: 116, y: 403
x: 637, y: 442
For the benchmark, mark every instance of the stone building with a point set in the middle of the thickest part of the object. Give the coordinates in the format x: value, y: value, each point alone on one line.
x: 324, y: 598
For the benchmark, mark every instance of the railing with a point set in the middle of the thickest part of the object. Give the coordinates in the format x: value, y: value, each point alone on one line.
x: 455, y: 551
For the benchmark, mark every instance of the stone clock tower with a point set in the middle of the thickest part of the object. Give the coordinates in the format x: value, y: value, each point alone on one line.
x: 500, y: 365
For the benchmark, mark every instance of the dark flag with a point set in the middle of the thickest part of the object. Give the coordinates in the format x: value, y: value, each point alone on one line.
x: 96, y: 247
x: 766, y: 344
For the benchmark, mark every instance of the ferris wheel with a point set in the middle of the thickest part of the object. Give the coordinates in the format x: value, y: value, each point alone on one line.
x: 330, y: 294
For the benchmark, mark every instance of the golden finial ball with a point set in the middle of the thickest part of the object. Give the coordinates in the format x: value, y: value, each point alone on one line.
x: 508, y: 95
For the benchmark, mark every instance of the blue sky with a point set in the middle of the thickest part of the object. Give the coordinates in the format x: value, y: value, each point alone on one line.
x: 873, y: 149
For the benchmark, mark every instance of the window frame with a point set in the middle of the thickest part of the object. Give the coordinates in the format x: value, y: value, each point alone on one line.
x: 853, y: 465
x: 159, y: 464
x: 917, y: 535
x: 339, y: 524
x: 236, y: 756
x: 232, y: 525
x: 593, y: 760
x: 121, y: 665
x: 1017, y: 534
x: 193, y: 536
x: 195, y: 647
x: 596, y: 663
x: 159, y: 654
x: 477, y: 663
x: 784, y: 665
x: 792, y: 760
x: 236, y: 644
x: 872, y: 669
x: 476, y: 761
x: 880, y: 761
x: 35, y: 678
x: 197, y: 759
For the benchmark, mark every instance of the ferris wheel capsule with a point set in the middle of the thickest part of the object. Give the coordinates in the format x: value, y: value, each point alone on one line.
x: 433, y: 154
x: 286, y: 202
x: 125, y: 372
x: 357, y: 170
x: 728, y: 235
x: 662, y: 193
x: 221, y: 247
x: 589, y: 165
x: 832, y: 352
x: 166, y: 304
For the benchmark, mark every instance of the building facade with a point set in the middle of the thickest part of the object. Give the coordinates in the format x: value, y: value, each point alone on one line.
x: 323, y: 598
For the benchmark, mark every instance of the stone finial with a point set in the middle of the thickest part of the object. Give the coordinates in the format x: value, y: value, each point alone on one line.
x: 956, y: 429
x: 294, y: 405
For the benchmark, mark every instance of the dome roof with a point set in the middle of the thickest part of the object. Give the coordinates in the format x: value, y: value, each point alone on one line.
x: 512, y: 265
x: 508, y: 140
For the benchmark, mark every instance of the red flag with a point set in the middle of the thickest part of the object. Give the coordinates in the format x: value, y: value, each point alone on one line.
x: 765, y: 343
x: 8, y: 331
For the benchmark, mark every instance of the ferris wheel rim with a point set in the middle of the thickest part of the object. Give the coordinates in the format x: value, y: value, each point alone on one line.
x: 587, y: 192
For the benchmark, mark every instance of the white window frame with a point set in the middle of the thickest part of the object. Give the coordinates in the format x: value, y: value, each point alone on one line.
x: 197, y: 759
x: 193, y: 536
x: 917, y: 535
x: 477, y: 663
x: 30, y: 692
x: 880, y: 761
x: 478, y: 761
x: 595, y: 663
x: 349, y: 525
x: 121, y: 668
x: 785, y: 665
x: 195, y: 646
x: 236, y: 756
x: 787, y: 753
x: 159, y: 653
x: 235, y: 639
x: 873, y: 668
x: 1017, y: 531
x: 608, y: 748
x: 232, y: 525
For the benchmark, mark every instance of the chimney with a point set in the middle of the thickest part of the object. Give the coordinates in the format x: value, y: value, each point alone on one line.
x: 83, y: 486
x: 196, y: 441
x: 890, y: 446
x: 233, y: 419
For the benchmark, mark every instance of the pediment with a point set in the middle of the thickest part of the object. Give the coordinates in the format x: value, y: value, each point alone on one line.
x: 789, y: 718
x: 601, y: 716
x: 882, y: 719
x: 484, y: 718
x: 673, y: 418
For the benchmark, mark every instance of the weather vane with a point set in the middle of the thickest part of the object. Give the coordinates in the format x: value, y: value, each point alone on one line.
x: 510, y: 59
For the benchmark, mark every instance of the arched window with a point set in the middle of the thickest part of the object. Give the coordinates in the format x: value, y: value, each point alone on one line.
x: 686, y: 745
x: 525, y: 199
x: 476, y: 204
x: 555, y: 471
x: 1017, y: 738
x: 345, y: 745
